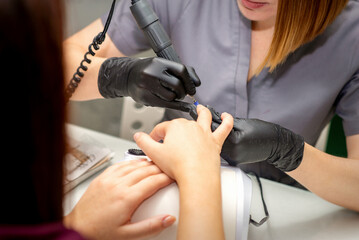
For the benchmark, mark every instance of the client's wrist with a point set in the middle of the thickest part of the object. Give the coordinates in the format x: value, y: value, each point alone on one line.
x: 199, y: 176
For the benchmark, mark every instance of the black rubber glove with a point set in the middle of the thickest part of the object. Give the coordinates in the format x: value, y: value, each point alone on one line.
x: 254, y: 140
x: 153, y: 82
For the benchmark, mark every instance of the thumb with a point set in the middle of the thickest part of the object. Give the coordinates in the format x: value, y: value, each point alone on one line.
x: 149, y: 227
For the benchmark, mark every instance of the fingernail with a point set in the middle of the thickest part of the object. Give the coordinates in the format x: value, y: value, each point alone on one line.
x: 136, y: 136
x: 168, y: 221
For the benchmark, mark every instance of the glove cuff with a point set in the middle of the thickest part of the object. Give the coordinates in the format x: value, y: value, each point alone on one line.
x: 113, y: 77
x: 288, y: 158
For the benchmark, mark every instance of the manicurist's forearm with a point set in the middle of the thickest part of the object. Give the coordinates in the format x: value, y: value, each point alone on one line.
x: 87, y: 89
x: 333, y: 178
x: 75, y: 47
x: 200, y: 208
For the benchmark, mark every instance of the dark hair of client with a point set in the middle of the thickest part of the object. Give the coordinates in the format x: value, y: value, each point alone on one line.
x: 34, y: 113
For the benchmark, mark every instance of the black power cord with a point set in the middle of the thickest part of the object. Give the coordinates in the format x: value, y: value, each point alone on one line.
x: 266, y: 217
x: 94, y: 46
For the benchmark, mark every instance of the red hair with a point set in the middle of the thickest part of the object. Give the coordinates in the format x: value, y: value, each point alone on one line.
x: 297, y: 23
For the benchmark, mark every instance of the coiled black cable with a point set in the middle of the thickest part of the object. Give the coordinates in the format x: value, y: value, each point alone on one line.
x: 92, y: 48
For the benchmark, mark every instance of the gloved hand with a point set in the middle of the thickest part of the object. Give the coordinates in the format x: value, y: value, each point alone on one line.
x: 254, y: 140
x: 153, y: 82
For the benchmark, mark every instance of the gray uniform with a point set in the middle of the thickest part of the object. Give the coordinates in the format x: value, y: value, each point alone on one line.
x: 318, y: 80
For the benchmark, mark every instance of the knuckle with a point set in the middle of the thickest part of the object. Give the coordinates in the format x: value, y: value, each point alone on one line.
x: 228, y: 125
x: 177, y: 84
x: 176, y: 121
x: 161, y: 178
x: 120, y: 196
x: 132, y: 197
x: 182, y: 122
x: 153, y: 169
x: 182, y: 69
x: 102, y: 183
x: 154, y: 226
x: 148, y: 170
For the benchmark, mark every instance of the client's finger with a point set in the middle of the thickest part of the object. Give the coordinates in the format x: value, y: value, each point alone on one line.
x: 224, y: 128
x: 150, y: 145
x: 158, y: 133
x: 148, y: 228
x: 150, y: 185
x: 204, y: 118
x: 139, y: 174
x: 125, y: 167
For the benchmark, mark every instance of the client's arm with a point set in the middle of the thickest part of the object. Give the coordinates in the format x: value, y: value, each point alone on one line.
x: 190, y: 155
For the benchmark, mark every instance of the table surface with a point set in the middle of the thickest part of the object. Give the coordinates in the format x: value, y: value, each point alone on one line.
x: 294, y: 213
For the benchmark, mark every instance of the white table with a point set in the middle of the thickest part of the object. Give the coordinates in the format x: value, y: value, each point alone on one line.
x: 294, y: 213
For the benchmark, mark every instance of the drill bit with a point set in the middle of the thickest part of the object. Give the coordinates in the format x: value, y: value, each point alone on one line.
x: 195, y: 102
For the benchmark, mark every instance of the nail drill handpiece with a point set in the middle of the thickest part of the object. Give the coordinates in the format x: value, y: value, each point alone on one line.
x: 148, y: 22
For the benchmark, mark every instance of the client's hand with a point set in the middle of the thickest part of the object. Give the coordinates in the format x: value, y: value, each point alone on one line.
x: 188, y: 147
x: 105, y: 210
x: 190, y: 155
